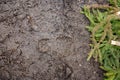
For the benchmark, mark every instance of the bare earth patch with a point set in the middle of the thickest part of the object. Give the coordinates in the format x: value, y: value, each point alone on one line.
x: 44, y: 40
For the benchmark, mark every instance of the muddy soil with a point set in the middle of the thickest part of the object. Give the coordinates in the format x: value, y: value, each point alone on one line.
x: 45, y: 40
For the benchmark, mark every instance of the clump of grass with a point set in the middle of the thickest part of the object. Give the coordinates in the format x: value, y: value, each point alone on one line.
x: 105, y: 27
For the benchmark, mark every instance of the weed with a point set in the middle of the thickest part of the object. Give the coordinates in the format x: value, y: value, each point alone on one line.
x: 105, y: 27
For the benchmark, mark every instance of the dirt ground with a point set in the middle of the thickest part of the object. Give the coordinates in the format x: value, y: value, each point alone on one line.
x: 45, y: 40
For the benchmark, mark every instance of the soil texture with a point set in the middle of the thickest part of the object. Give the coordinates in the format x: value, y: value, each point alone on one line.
x: 45, y: 40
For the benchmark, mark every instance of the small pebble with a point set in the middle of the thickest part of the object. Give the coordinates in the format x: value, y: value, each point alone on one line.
x: 34, y: 27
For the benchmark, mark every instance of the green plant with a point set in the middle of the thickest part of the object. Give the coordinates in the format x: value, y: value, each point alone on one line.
x: 105, y: 27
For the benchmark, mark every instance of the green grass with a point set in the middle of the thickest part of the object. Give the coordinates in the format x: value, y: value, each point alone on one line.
x: 105, y: 26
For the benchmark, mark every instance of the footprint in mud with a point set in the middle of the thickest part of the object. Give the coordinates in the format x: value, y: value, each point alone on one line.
x: 64, y: 37
x: 64, y: 71
x: 43, y: 46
